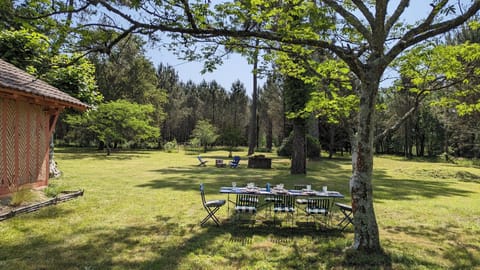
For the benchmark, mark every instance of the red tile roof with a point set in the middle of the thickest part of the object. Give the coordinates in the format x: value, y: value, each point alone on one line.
x: 16, y: 79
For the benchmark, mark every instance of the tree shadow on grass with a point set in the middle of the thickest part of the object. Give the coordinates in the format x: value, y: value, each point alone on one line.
x: 167, y: 244
x: 387, y: 188
x: 460, y: 254
x: 90, y: 153
x: 164, y: 245
x: 49, y: 212
x: 253, y: 240
x: 332, y: 175
x: 184, y: 178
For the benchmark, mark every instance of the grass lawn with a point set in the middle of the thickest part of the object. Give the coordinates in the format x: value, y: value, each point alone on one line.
x: 141, y: 210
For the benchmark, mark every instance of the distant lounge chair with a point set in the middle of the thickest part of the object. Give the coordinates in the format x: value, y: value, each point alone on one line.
x: 202, y: 162
x: 234, y: 162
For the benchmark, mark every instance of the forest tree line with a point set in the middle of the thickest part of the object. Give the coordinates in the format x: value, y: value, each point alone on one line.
x: 429, y: 131
x: 125, y: 73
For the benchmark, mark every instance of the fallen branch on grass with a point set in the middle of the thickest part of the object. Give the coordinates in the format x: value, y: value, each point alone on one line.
x: 62, y: 197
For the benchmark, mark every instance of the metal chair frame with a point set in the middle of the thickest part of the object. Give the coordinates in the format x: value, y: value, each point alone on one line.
x: 283, y: 204
x: 347, y: 215
x: 202, y: 163
x: 246, y: 204
x: 300, y: 200
x: 211, y: 207
x: 319, y: 207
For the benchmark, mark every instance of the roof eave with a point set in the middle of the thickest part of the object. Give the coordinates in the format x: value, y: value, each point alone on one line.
x: 41, y: 100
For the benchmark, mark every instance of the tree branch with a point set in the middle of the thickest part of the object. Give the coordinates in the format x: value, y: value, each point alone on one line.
x: 423, y: 31
x: 400, y: 121
x: 364, y: 9
x: 378, y: 29
x: 347, y: 55
x: 352, y: 19
x: 396, y: 15
x: 395, y: 126
x: 188, y: 13
x: 50, y: 14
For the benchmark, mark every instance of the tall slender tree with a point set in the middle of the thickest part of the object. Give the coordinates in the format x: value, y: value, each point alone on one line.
x: 272, y: 109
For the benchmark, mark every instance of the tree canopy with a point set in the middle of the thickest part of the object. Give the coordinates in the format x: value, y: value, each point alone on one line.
x: 204, y: 133
x: 31, y: 51
x: 116, y: 122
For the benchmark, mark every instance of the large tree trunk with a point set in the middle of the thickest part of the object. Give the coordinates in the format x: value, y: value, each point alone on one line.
x: 299, y: 155
x: 366, y: 236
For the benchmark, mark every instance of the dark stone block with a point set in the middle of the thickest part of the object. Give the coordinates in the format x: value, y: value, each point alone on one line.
x: 260, y: 162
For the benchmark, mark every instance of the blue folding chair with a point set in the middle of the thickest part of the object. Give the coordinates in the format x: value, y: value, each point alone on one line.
x: 234, y: 162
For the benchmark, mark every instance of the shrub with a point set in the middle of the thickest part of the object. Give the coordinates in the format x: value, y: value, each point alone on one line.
x: 22, y: 195
x: 52, y: 190
x: 285, y: 149
x: 171, y: 146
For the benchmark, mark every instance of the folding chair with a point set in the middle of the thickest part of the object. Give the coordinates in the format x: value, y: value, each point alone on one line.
x: 283, y: 204
x: 246, y: 204
x: 269, y: 200
x: 234, y: 163
x: 300, y: 187
x: 202, y: 162
x: 318, y: 207
x: 347, y: 215
x: 211, y: 207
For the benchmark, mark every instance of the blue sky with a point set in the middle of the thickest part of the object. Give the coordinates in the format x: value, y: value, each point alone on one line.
x: 234, y: 68
x: 237, y: 68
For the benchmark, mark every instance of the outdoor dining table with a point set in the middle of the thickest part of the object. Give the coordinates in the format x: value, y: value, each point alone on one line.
x: 273, y: 191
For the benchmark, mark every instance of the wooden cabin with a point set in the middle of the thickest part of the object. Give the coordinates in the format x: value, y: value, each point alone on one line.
x: 29, y: 109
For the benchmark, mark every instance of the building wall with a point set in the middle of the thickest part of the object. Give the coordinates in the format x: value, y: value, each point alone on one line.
x: 24, y: 144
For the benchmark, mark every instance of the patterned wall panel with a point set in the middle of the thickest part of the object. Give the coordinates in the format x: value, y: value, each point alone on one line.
x: 2, y: 146
x: 24, y: 144
x: 42, y: 131
x: 32, y: 165
x: 9, y: 126
x: 23, y: 139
